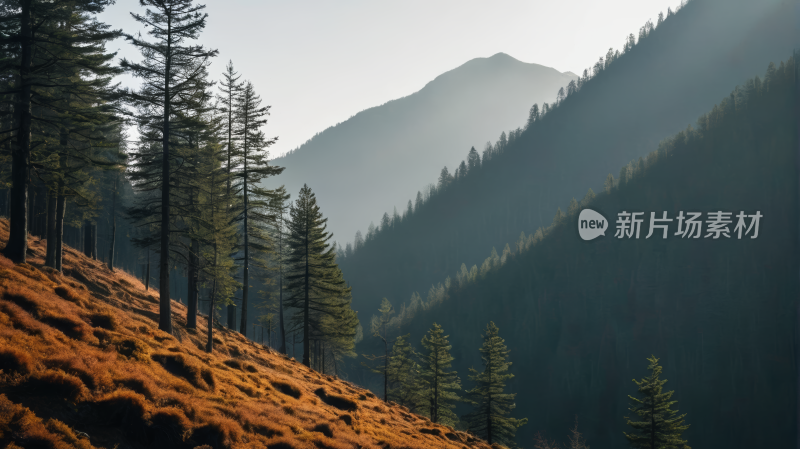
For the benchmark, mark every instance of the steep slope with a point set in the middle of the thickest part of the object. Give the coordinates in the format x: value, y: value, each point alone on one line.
x: 580, y: 317
x: 82, y: 364
x: 663, y: 84
x: 382, y: 155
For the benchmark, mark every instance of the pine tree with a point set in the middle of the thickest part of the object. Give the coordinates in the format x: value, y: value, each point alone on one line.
x: 444, y: 180
x: 490, y: 419
x: 230, y: 89
x: 338, y: 328
x: 378, y: 328
x: 314, y: 281
x: 533, y: 115
x: 473, y: 160
x: 197, y: 127
x: 588, y: 198
x: 251, y: 167
x: 170, y: 70
x: 279, y: 206
x: 608, y: 186
x: 403, y: 374
x: 441, y: 385
x: 659, y: 427
x: 218, y: 233
x: 573, y: 208
x: 461, y: 171
x: 52, y: 51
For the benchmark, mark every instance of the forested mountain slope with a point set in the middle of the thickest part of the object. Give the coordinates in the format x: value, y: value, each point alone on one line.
x: 580, y: 317
x: 655, y: 89
x: 382, y: 155
x: 83, y: 365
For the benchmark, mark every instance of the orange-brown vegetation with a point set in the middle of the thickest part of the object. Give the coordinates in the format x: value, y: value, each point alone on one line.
x: 83, y: 364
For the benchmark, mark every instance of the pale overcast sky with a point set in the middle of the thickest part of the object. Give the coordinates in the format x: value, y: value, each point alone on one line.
x: 318, y: 63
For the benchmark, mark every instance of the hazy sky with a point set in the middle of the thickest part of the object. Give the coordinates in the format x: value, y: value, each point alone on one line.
x: 318, y: 63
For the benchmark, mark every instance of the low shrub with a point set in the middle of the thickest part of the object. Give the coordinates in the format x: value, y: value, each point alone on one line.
x: 55, y: 383
x: 69, y: 294
x: 15, y: 361
x: 340, y: 402
x: 182, y: 366
x: 218, y: 432
x: 123, y: 407
x: 287, y: 389
x: 105, y: 320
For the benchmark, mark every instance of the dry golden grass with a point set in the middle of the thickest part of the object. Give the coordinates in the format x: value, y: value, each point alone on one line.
x: 83, y: 364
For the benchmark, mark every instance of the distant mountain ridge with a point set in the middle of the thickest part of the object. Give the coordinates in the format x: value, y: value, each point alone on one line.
x: 384, y: 155
x: 691, y: 60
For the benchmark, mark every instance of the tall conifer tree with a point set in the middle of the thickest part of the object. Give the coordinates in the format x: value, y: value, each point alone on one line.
x: 490, y: 419
x: 378, y: 327
x: 170, y: 69
x: 51, y: 51
x: 441, y: 385
x: 230, y: 89
x: 314, y: 281
x: 252, y: 166
x: 403, y: 373
x: 658, y: 427
x: 279, y: 207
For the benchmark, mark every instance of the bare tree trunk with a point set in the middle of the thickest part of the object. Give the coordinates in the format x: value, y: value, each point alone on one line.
x: 61, y: 208
x: 193, y: 293
x: 147, y: 278
x: 281, y: 328
x: 17, y: 245
x: 246, y: 274
x: 52, y: 200
x: 93, y: 243
x: 210, y: 341
x: 165, y: 309
x: 87, y: 238
x: 113, y: 226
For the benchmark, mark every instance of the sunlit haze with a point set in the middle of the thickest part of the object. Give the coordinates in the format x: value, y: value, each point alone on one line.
x: 319, y: 63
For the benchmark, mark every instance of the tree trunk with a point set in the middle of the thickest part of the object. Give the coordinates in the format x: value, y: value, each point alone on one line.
x: 232, y: 317
x: 282, y: 329
x: 165, y: 309
x: 306, y: 305
x: 61, y: 208
x: 87, y: 238
x: 385, y: 366
x: 17, y: 244
x: 210, y: 342
x: 113, y: 227
x: 147, y: 278
x: 93, y: 243
x: 246, y: 274
x: 193, y: 292
x: 52, y: 200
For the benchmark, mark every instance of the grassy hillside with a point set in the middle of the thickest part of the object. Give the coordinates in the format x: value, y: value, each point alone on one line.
x: 678, y: 72
x: 82, y: 364
x: 580, y: 317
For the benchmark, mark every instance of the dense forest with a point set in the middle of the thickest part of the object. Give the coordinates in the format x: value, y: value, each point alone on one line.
x: 717, y: 312
x: 182, y: 203
x: 660, y: 81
